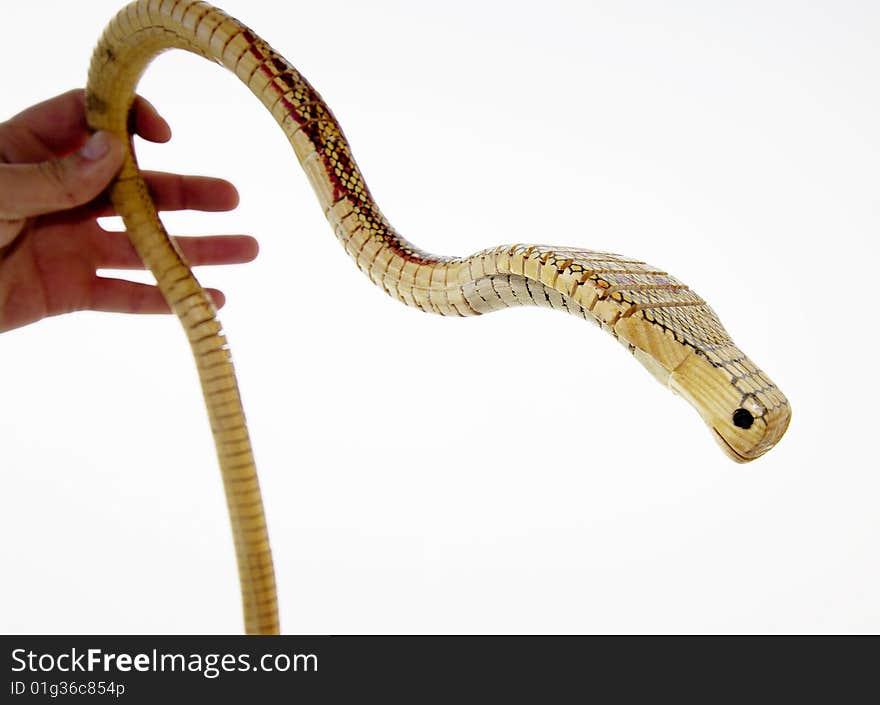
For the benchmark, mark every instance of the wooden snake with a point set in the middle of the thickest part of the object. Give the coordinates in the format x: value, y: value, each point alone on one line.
x: 665, y: 325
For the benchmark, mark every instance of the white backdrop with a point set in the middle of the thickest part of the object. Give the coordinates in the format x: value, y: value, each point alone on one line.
x: 516, y: 472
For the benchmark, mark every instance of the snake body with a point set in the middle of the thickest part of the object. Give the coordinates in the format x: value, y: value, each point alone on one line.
x: 664, y: 324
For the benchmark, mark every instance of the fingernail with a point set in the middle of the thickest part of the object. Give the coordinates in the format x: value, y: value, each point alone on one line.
x: 97, y: 146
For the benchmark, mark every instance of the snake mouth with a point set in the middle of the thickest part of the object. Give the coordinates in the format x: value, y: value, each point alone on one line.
x: 738, y: 457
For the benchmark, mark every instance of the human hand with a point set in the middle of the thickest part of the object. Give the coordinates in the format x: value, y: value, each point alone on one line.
x: 52, y: 179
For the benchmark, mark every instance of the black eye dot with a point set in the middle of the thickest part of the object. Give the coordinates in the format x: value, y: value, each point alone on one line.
x: 742, y: 418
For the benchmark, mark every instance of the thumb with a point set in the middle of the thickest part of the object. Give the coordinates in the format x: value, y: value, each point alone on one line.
x: 33, y: 189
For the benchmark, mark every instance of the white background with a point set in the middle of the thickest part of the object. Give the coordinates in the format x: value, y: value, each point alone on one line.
x: 516, y: 472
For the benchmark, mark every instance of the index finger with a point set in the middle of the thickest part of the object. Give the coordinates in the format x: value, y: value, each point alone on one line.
x: 59, y: 124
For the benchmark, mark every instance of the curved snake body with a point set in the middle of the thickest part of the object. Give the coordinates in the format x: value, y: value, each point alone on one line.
x: 665, y: 325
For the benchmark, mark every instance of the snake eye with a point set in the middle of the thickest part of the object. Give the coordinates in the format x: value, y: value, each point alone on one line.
x: 742, y: 418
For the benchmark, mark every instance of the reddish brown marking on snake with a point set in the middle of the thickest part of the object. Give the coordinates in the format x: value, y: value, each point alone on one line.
x: 315, y: 131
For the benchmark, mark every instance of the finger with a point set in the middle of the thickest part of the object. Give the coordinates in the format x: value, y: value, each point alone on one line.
x: 44, y: 187
x: 114, y: 251
x: 59, y: 124
x: 148, y: 123
x: 218, y: 249
x: 175, y: 192
x: 121, y: 296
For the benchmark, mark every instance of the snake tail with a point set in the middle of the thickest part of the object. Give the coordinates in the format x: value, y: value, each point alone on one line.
x: 664, y: 324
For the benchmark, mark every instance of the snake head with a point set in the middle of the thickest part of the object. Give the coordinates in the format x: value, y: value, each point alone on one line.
x: 745, y: 410
x: 687, y: 349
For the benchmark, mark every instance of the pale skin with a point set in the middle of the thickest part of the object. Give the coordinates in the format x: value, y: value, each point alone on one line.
x: 52, y: 191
